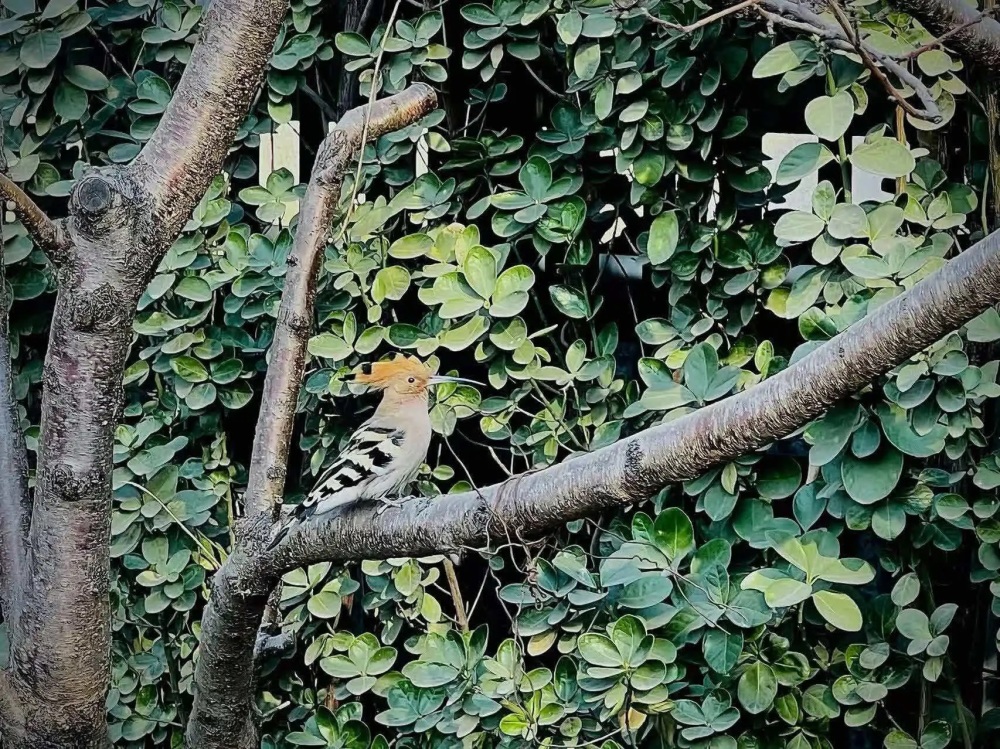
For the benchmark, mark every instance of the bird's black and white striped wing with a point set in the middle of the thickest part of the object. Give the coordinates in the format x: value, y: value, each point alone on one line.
x: 369, y: 454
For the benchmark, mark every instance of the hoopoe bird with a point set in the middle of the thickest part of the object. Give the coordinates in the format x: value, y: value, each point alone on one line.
x: 384, y: 455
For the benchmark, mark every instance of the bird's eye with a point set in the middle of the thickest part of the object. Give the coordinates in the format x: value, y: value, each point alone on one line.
x: 411, y: 380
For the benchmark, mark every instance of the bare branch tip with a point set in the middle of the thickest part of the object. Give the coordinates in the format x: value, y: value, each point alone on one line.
x: 49, y: 235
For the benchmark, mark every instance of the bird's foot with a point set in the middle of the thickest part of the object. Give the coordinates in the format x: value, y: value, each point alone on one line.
x: 385, y: 503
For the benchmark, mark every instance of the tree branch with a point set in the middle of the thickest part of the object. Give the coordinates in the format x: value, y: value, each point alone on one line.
x: 786, y: 11
x: 49, y: 235
x: 636, y: 468
x: 122, y: 221
x: 225, y: 674
x: 15, y: 501
x: 266, y: 484
x: 220, y: 82
x: 973, y: 35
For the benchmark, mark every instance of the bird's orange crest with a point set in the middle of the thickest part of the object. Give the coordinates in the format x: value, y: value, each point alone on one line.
x: 402, y: 369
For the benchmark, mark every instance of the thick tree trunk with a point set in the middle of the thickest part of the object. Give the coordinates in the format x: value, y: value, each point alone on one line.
x: 123, y: 219
x: 60, y: 639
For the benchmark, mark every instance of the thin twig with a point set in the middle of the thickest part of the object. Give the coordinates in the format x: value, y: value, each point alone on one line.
x: 855, y: 39
x: 318, y: 100
x: 948, y: 34
x: 699, y: 23
x: 784, y: 13
x: 107, y: 50
x: 540, y: 82
x: 456, y: 595
x: 372, y: 91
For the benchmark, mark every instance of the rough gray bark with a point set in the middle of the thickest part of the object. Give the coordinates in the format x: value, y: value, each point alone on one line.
x: 225, y: 675
x: 122, y: 220
x: 971, y: 34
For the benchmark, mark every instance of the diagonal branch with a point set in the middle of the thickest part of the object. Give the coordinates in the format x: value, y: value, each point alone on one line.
x: 268, y: 463
x: 225, y: 674
x: 49, y: 235
x: 635, y: 468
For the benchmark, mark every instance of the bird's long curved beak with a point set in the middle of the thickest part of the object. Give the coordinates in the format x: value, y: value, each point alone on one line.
x: 441, y: 379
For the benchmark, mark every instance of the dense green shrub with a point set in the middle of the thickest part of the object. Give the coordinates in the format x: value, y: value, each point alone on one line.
x: 784, y: 599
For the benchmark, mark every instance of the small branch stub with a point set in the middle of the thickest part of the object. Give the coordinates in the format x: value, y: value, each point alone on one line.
x: 92, y: 197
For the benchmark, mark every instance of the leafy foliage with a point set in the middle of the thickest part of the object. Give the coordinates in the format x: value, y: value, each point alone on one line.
x: 596, y: 235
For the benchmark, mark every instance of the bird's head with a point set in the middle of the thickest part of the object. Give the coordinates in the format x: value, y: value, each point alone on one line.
x: 402, y: 377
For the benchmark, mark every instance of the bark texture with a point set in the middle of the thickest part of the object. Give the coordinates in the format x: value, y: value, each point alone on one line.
x: 972, y: 35
x: 225, y: 676
x: 122, y: 220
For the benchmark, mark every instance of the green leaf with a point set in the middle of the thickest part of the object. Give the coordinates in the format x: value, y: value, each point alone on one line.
x: 87, y: 78
x: 426, y: 675
x: 757, y: 688
x: 536, y: 178
x: 189, y: 369
x: 722, y: 650
x: 570, y: 302
x: 780, y: 479
x: 351, y: 44
x: 587, y: 60
x: 838, y: 609
x: 511, y: 292
x: 599, y: 650
x: 848, y: 220
x: 390, y: 282
x: 906, y: 589
x: 329, y: 346
x: 884, y: 157
x: 785, y: 57
x: 38, y: 50
x: 798, y: 226
x: 913, y: 624
x: 802, y: 161
x: 828, y: 117
x: 69, y: 101
x: 663, y: 236
x: 194, y: 288
x: 937, y: 734
x: 870, y: 479
x: 411, y: 246
x: 480, y: 268
x: 325, y: 605
x: 673, y: 534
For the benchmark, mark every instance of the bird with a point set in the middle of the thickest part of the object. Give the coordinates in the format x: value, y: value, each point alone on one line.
x: 385, y: 453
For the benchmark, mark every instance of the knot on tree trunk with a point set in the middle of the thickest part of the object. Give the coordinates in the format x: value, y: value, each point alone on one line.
x: 102, y: 308
x: 73, y: 485
x: 92, y: 197
x: 104, y: 201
